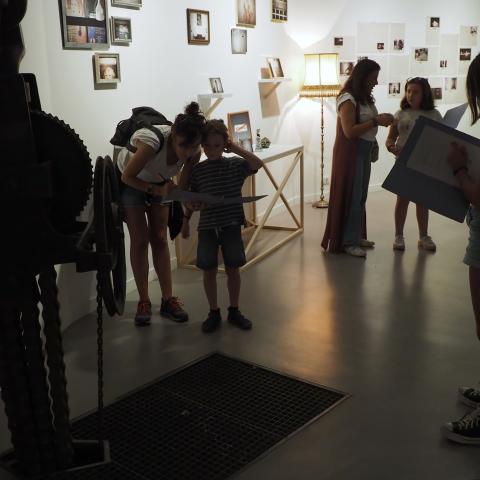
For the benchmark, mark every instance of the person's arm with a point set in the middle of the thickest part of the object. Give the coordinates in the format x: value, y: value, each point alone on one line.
x: 458, y: 160
x: 254, y: 163
x: 352, y: 129
x: 391, y: 139
x: 135, y: 165
x: 184, y: 180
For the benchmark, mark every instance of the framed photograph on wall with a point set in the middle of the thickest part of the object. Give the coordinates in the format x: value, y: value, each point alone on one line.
x: 246, y: 13
x: 275, y: 67
x: 84, y: 24
x: 121, y: 30
x: 216, y: 84
x: 127, y: 3
x: 279, y: 11
x: 239, y: 41
x: 198, y: 27
x: 107, y: 68
x: 239, y: 129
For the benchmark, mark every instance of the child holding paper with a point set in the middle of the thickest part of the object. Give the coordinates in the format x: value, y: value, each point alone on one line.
x: 467, y: 429
x: 418, y: 100
x: 220, y: 224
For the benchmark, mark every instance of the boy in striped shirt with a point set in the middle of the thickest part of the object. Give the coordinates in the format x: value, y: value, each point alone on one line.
x: 220, y: 225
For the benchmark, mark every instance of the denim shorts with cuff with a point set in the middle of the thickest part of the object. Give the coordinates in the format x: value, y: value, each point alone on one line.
x: 131, y: 197
x: 228, y: 239
x: 472, y: 255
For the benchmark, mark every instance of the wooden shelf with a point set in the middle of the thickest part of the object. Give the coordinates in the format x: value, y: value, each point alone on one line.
x: 205, y: 101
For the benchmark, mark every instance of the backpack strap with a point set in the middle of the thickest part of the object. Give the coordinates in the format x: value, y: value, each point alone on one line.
x: 156, y: 131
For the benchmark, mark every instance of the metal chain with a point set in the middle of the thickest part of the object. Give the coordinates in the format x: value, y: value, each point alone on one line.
x: 100, y: 357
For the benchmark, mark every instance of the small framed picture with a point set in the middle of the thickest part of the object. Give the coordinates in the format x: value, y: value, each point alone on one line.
x: 275, y: 67
x: 338, y: 41
x: 107, y: 68
x: 216, y: 84
x: 346, y: 68
x: 421, y: 54
x: 127, y: 3
x: 380, y: 46
x: 121, y: 30
x: 239, y: 41
x: 437, y: 93
x: 398, y: 44
x: 465, y: 54
x: 239, y: 129
x: 394, y: 89
x: 84, y: 24
x: 279, y: 11
x: 434, y: 22
x: 198, y: 27
x: 246, y: 13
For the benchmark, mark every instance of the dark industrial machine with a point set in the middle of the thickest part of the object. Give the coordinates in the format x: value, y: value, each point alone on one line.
x: 45, y: 182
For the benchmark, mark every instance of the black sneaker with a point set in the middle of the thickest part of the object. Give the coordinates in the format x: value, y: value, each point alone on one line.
x: 212, y: 322
x: 469, y: 396
x: 172, y: 309
x: 236, y: 318
x: 466, y: 430
x: 144, y: 314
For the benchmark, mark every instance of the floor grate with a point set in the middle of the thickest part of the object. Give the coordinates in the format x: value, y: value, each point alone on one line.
x: 205, y: 421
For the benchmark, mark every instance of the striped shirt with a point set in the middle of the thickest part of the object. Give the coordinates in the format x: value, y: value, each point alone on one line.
x: 225, y: 178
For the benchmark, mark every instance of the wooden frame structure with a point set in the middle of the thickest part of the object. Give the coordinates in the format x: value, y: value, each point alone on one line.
x: 255, y: 226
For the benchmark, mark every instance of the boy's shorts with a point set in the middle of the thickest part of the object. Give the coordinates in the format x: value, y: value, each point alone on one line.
x: 229, y: 239
x: 472, y: 255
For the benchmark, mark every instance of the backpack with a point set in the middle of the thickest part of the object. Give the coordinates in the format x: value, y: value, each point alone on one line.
x: 142, y: 117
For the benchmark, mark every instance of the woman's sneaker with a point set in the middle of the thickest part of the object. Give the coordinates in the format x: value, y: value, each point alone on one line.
x: 469, y: 396
x: 355, y: 251
x: 172, y: 309
x: 427, y: 243
x: 212, y: 322
x: 466, y: 430
x: 399, y: 243
x: 144, y: 314
x: 364, y: 243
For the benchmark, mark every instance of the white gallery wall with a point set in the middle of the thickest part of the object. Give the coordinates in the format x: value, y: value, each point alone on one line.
x: 162, y: 70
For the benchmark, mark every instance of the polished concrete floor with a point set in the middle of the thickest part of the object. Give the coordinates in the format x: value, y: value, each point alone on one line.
x: 395, y: 331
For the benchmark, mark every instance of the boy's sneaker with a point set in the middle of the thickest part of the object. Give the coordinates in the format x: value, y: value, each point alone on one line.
x: 144, y: 314
x: 469, y: 396
x: 355, y: 251
x: 466, y: 430
x: 399, y: 243
x: 427, y: 243
x: 236, y: 318
x: 212, y: 322
x: 172, y: 309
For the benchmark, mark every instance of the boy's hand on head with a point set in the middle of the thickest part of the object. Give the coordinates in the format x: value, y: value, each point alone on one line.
x: 228, y: 146
x: 457, y: 156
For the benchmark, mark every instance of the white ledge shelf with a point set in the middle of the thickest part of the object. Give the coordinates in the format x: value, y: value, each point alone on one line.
x: 275, y: 81
x: 205, y: 101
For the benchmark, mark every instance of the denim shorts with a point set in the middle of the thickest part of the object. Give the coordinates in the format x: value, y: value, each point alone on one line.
x: 229, y: 239
x: 472, y: 255
x: 131, y: 197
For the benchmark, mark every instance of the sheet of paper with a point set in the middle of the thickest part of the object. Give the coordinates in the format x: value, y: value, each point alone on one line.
x: 453, y: 116
x: 184, y: 196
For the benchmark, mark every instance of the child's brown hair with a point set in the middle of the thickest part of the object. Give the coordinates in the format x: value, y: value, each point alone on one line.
x: 216, y: 127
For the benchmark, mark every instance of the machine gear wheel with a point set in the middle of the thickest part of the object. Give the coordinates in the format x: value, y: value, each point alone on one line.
x: 71, y: 168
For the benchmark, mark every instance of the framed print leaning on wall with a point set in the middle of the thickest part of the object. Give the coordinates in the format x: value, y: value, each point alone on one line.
x: 198, y: 27
x: 239, y: 129
x: 84, y: 24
